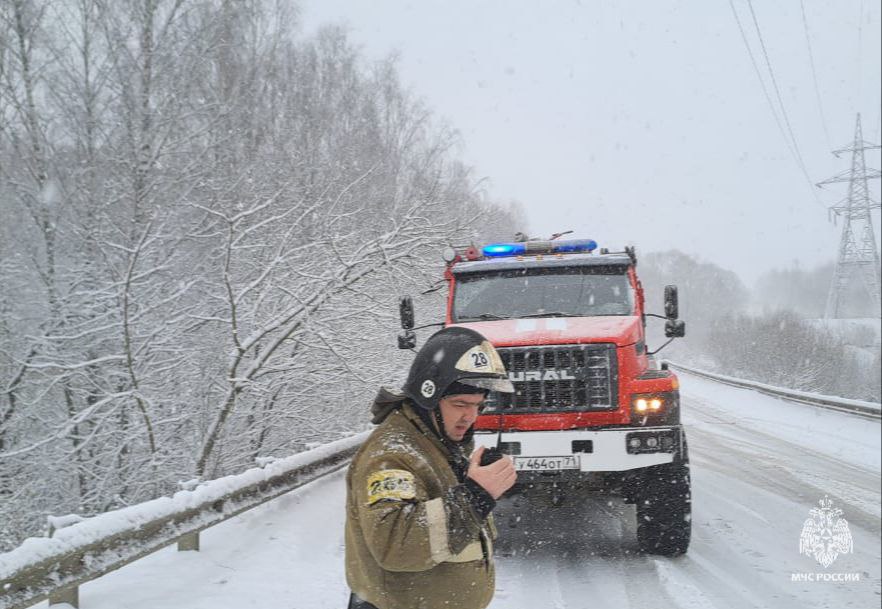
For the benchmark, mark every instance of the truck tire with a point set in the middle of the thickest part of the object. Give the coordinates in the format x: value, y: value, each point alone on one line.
x: 664, y: 510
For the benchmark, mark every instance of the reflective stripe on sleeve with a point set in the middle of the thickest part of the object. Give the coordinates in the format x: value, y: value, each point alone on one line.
x: 437, y: 522
x: 471, y: 552
x: 438, y: 545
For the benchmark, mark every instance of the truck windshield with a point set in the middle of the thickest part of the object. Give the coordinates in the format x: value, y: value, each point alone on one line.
x: 551, y: 292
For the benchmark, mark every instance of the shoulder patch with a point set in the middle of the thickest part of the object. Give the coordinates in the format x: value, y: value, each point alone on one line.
x: 393, y: 484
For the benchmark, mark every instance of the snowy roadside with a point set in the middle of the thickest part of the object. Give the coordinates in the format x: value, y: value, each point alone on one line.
x: 850, y: 438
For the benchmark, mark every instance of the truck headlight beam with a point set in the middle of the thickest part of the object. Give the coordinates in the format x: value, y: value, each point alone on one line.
x: 647, y: 403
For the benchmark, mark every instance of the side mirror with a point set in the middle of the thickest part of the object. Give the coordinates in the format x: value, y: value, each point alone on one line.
x: 407, y: 340
x: 672, y: 308
x: 405, y: 309
x: 675, y: 328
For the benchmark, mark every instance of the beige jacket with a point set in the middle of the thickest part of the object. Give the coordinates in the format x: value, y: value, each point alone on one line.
x: 416, y: 537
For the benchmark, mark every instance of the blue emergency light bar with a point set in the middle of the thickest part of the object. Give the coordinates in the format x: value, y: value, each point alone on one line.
x: 504, y: 249
x: 567, y: 246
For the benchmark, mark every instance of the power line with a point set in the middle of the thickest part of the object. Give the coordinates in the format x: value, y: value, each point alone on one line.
x: 780, y: 100
x: 808, y: 42
x: 760, y: 77
x: 790, y: 144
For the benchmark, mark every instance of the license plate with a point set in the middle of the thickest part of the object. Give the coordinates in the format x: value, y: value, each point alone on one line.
x: 546, y: 464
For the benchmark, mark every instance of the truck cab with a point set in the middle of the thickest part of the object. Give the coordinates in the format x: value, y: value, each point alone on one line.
x: 591, y: 412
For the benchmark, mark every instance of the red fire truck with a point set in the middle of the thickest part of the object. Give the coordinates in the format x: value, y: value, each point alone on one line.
x: 591, y: 413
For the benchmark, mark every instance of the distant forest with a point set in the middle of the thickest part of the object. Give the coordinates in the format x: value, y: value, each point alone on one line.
x: 771, y: 333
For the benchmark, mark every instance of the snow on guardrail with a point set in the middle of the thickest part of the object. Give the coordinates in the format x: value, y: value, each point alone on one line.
x: 87, y: 549
x: 871, y: 410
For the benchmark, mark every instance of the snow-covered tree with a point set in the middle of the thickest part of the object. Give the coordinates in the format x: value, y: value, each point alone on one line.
x: 207, y: 222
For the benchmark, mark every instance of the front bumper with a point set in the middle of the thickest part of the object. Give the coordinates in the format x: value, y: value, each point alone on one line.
x: 601, y: 450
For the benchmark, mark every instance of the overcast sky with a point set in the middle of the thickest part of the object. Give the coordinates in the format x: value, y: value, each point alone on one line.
x: 645, y: 122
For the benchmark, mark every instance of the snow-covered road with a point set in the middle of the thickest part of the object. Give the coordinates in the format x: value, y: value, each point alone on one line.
x: 759, y: 465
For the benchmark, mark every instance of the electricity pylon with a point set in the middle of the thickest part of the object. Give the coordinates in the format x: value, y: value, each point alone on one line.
x: 858, y: 256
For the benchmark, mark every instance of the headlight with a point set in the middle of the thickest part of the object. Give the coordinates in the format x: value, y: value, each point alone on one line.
x: 661, y: 408
x: 648, y: 404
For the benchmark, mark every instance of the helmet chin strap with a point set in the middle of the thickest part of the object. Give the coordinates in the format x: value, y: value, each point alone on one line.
x: 434, y: 420
x: 458, y: 459
x: 442, y: 431
x: 439, y: 424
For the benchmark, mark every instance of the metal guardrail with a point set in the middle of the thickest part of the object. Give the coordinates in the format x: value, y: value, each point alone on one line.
x: 54, y: 568
x: 871, y: 410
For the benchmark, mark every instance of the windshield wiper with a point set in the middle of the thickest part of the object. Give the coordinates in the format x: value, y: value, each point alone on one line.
x: 549, y: 314
x: 482, y: 317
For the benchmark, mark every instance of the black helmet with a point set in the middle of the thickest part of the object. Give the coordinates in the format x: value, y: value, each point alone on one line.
x: 454, y: 355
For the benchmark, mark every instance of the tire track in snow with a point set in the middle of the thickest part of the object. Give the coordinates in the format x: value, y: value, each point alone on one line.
x: 752, y: 491
x: 687, y: 594
x: 586, y: 550
x: 787, y: 469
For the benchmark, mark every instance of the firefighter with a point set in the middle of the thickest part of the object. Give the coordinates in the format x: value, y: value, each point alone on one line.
x: 419, y: 530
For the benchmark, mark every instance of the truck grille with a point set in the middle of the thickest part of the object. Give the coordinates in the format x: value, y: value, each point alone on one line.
x: 558, y: 379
